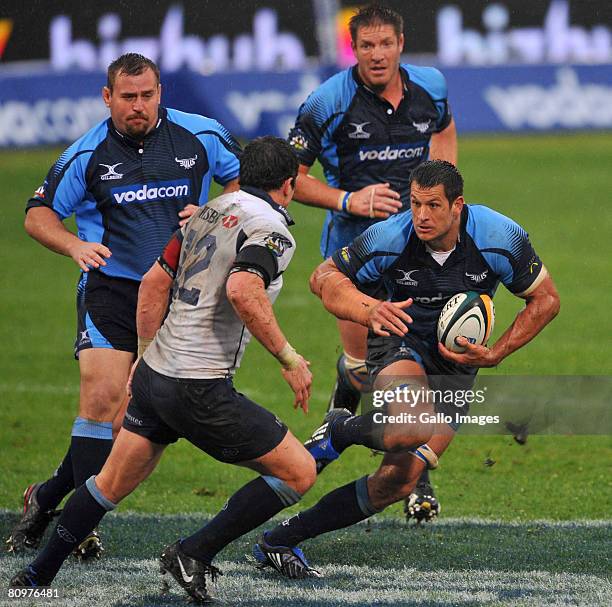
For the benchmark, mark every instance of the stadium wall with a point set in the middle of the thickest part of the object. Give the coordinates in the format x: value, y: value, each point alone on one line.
x: 54, y: 108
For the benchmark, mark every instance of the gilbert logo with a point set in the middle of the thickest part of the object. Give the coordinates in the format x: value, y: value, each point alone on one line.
x: 406, y: 278
x: 186, y: 163
x: 111, y: 173
x: 359, y: 132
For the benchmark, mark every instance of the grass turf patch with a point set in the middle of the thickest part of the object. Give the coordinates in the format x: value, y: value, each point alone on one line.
x: 452, y: 562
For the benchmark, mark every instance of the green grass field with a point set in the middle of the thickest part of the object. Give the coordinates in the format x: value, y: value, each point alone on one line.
x: 558, y: 188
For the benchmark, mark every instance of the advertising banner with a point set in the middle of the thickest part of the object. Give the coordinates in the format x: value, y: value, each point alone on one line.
x: 51, y: 109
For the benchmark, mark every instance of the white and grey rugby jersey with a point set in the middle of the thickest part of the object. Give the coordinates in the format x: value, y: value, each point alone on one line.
x: 202, y: 336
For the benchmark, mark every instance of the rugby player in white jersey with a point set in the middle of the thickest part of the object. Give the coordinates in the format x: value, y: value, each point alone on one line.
x: 225, y: 270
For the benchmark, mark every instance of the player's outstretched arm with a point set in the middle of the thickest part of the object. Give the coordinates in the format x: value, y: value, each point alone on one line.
x: 247, y: 294
x: 346, y: 302
x: 43, y: 225
x: 542, y: 306
x: 376, y: 200
x: 443, y: 145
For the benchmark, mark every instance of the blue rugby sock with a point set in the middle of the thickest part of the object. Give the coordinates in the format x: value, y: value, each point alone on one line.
x: 340, y: 508
x: 54, y: 490
x: 82, y: 513
x: 249, y: 507
x: 91, y: 445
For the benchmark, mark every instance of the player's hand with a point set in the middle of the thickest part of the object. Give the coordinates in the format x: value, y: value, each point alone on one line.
x: 300, y: 381
x: 389, y: 317
x: 377, y: 200
x: 89, y: 254
x: 128, y: 386
x: 474, y: 355
x: 186, y: 213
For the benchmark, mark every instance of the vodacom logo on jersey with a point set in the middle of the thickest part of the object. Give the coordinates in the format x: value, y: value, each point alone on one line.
x: 151, y: 191
x: 388, y: 152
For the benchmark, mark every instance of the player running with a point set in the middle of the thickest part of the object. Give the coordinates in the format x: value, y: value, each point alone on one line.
x: 225, y: 268
x: 129, y: 182
x: 369, y: 126
x: 417, y: 261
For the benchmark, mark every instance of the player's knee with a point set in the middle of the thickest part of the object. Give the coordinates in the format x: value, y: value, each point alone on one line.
x: 304, y: 475
x: 99, y: 402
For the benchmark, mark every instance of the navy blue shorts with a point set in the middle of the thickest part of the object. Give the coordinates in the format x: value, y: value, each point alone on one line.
x: 441, y: 374
x: 106, y: 313
x: 209, y: 413
x: 339, y: 231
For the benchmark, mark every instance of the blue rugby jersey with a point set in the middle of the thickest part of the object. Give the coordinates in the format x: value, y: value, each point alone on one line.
x: 361, y: 139
x: 389, y: 260
x: 127, y: 195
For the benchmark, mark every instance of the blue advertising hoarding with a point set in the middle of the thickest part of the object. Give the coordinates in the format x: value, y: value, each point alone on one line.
x: 50, y: 108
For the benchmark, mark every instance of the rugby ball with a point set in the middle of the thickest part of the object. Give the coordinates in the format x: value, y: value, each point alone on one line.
x: 470, y: 315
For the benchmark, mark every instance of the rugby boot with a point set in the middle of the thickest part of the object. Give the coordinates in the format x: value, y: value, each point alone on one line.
x: 289, y: 562
x: 319, y: 445
x: 28, y: 578
x: 90, y: 548
x: 189, y: 573
x: 421, y: 505
x: 34, y: 521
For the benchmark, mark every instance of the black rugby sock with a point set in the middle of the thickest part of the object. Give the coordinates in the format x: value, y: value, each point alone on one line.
x: 81, y: 514
x: 249, y: 507
x: 91, y: 445
x: 54, y: 490
x: 340, y: 508
x: 358, y: 430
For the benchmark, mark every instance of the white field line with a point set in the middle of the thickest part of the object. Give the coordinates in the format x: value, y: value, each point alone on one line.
x: 120, y: 582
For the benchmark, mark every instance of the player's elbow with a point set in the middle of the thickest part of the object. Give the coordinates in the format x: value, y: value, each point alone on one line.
x: 314, y: 283
x: 553, y: 304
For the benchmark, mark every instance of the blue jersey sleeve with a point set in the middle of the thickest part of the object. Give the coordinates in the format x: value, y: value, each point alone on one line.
x: 506, y: 248
x: 65, y: 186
x: 320, y: 115
x: 434, y: 83
x: 368, y: 257
x: 226, y: 153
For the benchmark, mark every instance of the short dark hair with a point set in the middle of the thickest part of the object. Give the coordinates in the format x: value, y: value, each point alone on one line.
x: 375, y: 14
x: 267, y: 162
x: 431, y: 173
x: 131, y: 64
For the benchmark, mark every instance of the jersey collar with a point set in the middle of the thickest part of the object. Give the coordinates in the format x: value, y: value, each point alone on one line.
x: 265, y: 196
x: 127, y: 140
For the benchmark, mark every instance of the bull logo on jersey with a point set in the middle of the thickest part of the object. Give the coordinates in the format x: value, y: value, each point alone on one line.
x: 477, y: 278
x: 421, y: 127
x: 406, y: 278
x: 186, y: 163
x: 111, y: 172
x: 359, y: 132
x: 277, y: 243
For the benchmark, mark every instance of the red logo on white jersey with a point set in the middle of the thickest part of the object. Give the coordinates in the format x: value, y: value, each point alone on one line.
x: 229, y: 221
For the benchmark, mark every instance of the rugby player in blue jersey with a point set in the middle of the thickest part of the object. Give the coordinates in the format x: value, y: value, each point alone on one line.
x: 129, y: 182
x: 414, y: 263
x: 369, y: 126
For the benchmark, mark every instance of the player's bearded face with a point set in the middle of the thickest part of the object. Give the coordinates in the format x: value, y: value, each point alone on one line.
x: 435, y: 220
x: 134, y: 103
x: 377, y: 50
